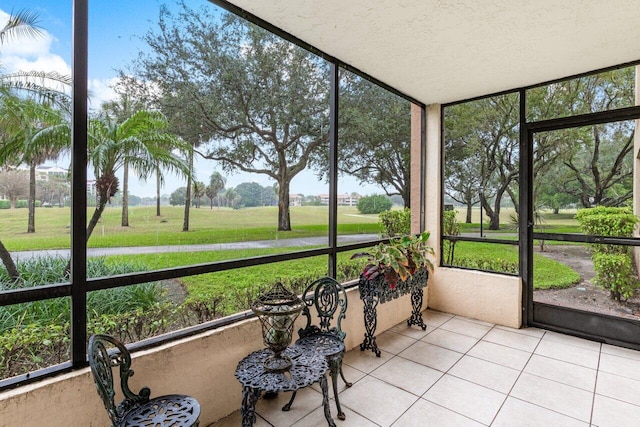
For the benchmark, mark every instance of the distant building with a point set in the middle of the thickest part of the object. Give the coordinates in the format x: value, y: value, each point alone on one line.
x: 343, y: 199
x: 44, y: 172
x: 91, y: 187
x: 295, y: 199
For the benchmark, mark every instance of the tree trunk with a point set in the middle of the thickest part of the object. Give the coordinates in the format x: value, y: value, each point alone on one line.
x: 469, y: 210
x: 494, y: 223
x: 97, y: 213
x: 284, y: 219
x: 125, y: 194
x: 406, y: 197
x: 31, y: 223
x: 5, y: 256
x: 158, y: 184
x: 187, y: 201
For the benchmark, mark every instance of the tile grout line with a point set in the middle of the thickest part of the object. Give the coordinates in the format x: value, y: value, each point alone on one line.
x: 518, y: 378
x: 595, y: 387
x: 466, y: 353
x: 421, y: 397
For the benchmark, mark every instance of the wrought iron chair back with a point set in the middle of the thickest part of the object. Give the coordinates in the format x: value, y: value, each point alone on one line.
x: 102, y: 363
x: 329, y: 299
x: 107, y: 353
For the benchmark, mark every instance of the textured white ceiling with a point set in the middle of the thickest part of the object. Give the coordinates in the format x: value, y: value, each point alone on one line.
x: 440, y: 51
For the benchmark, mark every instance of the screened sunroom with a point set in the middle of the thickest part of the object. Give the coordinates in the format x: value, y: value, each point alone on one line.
x: 162, y: 165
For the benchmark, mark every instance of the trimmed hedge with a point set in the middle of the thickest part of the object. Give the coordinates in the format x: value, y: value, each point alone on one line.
x: 612, y: 263
x: 395, y: 223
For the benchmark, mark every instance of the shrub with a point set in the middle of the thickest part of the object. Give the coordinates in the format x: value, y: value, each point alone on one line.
x: 27, y: 347
x: 395, y: 223
x: 615, y: 273
x: 47, y: 270
x: 612, y: 263
x: 450, y: 227
x: 5, y: 204
x: 374, y: 204
x: 607, y: 221
x: 489, y: 264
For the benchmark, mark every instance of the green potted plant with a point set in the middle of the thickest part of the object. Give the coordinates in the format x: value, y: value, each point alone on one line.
x: 398, y: 260
x: 396, y: 268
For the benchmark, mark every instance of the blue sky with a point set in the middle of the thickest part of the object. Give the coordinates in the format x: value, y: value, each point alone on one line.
x: 115, y: 28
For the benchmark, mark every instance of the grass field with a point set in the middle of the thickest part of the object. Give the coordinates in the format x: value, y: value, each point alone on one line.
x: 217, y: 225
x: 224, y: 225
x: 563, y: 222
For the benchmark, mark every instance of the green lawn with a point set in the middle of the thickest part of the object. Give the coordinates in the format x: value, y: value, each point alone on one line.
x: 563, y: 222
x: 217, y: 225
x: 547, y: 273
x: 224, y: 225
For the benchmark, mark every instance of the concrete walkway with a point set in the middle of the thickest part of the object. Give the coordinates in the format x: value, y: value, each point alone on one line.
x: 256, y: 244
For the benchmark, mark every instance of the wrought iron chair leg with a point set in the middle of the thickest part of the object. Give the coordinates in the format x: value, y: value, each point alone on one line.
x: 346, y: 383
x: 288, y: 405
x: 335, y: 366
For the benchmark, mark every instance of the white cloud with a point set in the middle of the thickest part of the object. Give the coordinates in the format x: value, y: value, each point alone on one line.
x: 100, y: 90
x: 30, y: 53
x: 44, y: 62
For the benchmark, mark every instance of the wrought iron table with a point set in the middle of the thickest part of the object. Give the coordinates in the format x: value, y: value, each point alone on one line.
x: 307, y: 368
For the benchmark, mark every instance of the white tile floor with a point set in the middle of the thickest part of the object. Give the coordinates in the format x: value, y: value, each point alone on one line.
x: 462, y: 372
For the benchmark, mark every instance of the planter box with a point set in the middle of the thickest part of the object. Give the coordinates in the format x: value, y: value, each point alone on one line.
x: 378, y: 291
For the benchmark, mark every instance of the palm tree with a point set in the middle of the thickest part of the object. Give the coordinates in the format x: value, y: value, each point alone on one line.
x: 34, y: 133
x: 133, y: 141
x: 140, y: 142
x: 48, y: 86
x: 120, y: 110
x: 216, y: 185
x: 199, y: 189
x: 25, y: 24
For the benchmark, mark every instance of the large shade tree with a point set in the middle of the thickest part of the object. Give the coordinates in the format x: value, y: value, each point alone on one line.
x: 252, y: 101
x: 593, y: 165
x: 487, y: 129
x: 375, y: 136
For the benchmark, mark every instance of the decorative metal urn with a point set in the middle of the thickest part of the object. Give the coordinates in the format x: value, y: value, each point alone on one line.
x: 277, y: 310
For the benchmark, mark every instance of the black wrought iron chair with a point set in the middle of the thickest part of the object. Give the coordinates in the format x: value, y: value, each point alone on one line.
x: 330, y: 302
x: 135, y: 409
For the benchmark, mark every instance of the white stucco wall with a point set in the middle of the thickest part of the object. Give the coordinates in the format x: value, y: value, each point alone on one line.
x: 493, y: 298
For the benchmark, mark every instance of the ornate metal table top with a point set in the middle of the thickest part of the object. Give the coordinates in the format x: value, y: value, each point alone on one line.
x: 308, y: 367
x: 322, y: 343
x: 170, y: 410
